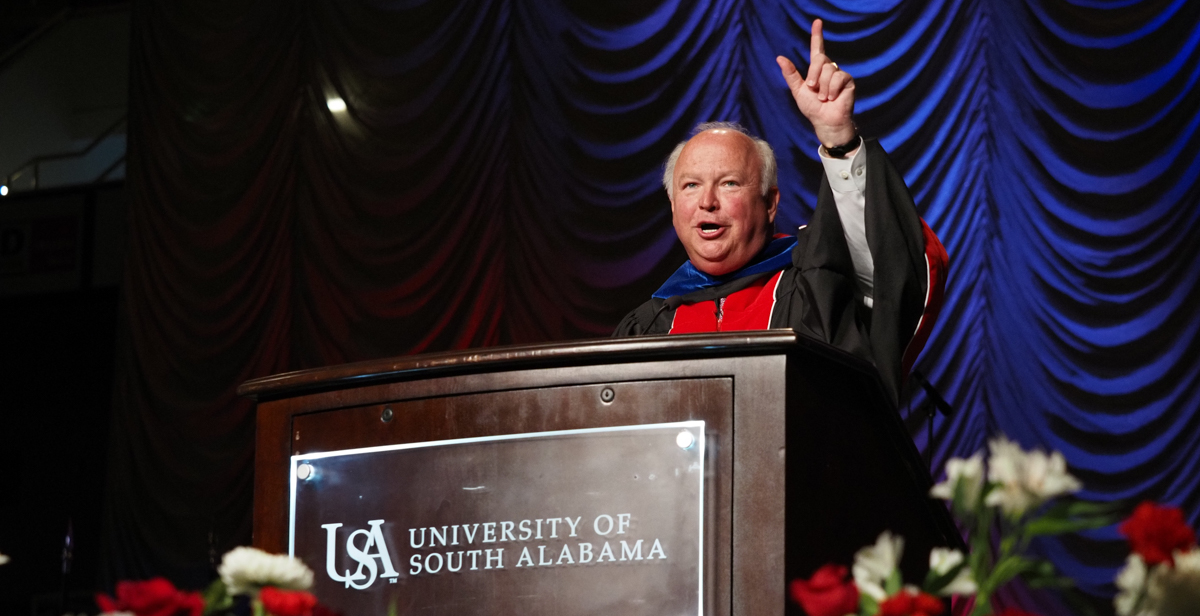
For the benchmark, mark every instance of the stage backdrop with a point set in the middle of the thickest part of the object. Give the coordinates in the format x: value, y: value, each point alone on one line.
x: 494, y: 178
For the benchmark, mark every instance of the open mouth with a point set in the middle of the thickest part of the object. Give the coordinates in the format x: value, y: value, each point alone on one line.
x: 710, y: 230
x: 709, y: 226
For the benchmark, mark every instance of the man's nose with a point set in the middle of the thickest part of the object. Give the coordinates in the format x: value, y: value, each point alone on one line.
x: 709, y: 201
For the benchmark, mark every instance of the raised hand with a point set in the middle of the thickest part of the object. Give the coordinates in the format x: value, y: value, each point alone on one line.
x: 826, y: 97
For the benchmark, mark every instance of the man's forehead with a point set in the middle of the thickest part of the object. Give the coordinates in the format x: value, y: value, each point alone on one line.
x: 725, y: 136
x: 731, y: 143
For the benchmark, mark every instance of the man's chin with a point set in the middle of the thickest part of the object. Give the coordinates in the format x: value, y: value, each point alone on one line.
x: 716, y: 268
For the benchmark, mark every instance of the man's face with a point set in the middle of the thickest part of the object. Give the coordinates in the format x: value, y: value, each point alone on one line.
x: 719, y: 214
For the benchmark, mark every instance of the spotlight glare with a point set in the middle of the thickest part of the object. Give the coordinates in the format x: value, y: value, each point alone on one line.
x: 3, y: 191
x: 336, y: 104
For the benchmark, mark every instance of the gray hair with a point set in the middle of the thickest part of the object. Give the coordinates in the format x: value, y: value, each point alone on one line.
x: 768, y: 178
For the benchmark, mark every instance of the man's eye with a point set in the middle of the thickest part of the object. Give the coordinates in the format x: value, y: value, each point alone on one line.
x: 690, y: 185
x: 731, y: 182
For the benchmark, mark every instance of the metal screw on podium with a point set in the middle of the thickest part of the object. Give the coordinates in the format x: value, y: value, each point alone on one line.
x: 386, y: 416
x: 607, y: 395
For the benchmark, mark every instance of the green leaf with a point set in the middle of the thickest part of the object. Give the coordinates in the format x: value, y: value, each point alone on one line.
x: 980, y: 558
x: 1058, y: 526
x: 1057, y: 583
x: 867, y: 605
x: 893, y: 583
x: 1060, y: 509
x: 1043, y: 568
x: 1090, y: 508
x: 983, y: 605
x: 216, y: 598
x: 1072, y: 515
x: 961, y: 507
x: 1008, y: 568
x: 935, y: 582
x: 1041, y: 574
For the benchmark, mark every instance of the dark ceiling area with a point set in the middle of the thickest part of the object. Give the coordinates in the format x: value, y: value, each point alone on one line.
x: 21, y: 18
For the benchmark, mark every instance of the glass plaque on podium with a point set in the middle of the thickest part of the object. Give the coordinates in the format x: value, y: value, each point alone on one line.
x: 592, y: 521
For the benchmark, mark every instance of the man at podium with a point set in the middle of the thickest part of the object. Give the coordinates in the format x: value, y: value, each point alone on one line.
x: 866, y: 274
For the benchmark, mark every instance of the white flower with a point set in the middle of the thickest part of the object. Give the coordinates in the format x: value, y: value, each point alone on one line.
x: 1176, y: 591
x: 941, y: 561
x: 1131, y: 584
x: 965, y: 473
x: 1187, y: 562
x: 244, y: 570
x: 875, y: 563
x: 1026, y: 479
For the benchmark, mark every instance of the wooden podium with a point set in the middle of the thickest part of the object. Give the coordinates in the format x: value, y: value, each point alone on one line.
x: 804, y: 460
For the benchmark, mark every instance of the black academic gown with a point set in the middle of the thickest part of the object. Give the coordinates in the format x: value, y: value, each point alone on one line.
x: 817, y: 296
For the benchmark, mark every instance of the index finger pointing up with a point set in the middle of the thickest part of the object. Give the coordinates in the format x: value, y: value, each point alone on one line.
x: 816, y: 56
x: 818, y: 39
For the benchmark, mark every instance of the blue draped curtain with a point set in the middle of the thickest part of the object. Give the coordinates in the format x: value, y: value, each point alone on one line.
x: 494, y: 178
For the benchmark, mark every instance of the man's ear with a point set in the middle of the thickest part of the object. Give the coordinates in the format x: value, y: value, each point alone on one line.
x: 772, y: 201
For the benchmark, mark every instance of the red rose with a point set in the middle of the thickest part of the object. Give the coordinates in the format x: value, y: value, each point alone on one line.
x: 928, y: 604
x: 826, y: 593
x: 905, y: 603
x: 899, y: 604
x: 156, y: 597
x: 287, y: 602
x: 1156, y: 532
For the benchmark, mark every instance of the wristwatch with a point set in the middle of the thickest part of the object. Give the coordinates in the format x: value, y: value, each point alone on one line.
x: 840, y: 151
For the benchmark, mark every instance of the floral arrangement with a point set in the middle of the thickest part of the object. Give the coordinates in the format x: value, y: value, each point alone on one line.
x: 246, y: 570
x: 272, y: 585
x: 1017, y: 495
x: 156, y: 597
x: 1161, y: 577
x: 1002, y: 503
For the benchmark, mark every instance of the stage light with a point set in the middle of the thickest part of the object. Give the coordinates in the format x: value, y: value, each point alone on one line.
x: 3, y: 191
x: 336, y: 104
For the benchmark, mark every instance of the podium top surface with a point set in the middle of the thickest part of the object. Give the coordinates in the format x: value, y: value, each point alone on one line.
x: 519, y: 357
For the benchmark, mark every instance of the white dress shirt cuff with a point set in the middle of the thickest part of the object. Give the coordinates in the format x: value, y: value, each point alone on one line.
x: 845, y: 174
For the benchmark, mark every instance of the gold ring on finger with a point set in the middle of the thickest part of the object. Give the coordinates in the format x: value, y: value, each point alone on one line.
x: 835, y: 66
